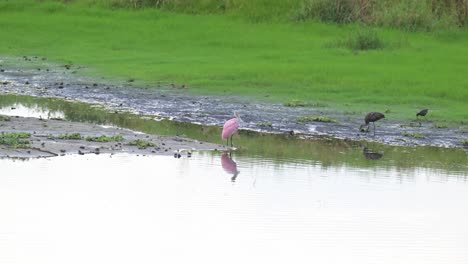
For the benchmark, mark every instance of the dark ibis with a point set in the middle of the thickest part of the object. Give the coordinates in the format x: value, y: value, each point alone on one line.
x: 422, y: 113
x: 372, y: 117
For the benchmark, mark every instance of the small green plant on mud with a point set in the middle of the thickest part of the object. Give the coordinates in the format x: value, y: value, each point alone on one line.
x: 440, y: 125
x: 295, y: 103
x: 141, y: 144
x: 5, y: 118
x: 105, y: 138
x: 74, y: 136
x: 414, y: 135
x: 265, y: 125
x: 299, y: 103
x: 323, y: 119
x: 15, y: 140
x: 465, y: 142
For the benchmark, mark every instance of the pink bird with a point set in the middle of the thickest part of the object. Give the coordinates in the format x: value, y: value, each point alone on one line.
x: 230, y: 127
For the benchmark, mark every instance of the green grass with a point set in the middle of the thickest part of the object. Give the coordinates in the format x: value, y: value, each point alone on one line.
x: 276, y: 61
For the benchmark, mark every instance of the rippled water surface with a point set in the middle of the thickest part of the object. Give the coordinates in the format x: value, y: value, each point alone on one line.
x: 217, y: 208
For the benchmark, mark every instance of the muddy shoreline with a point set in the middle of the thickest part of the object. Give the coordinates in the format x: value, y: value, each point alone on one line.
x: 32, y: 76
x: 48, y: 139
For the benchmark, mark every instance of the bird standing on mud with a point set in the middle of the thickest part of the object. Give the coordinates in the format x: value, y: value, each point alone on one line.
x: 372, y: 117
x: 230, y: 128
x: 422, y: 113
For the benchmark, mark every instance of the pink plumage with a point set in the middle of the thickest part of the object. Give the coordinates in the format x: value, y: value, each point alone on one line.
x: 230, y: 127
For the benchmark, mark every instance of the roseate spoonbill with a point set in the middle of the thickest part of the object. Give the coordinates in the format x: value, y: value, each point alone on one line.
x: 422, y: 113
x: 372, y: 117
x: 230, y: 127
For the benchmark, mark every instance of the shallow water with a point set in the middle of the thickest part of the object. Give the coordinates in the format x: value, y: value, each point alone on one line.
x: 135, y: 209
x: 278, y: 199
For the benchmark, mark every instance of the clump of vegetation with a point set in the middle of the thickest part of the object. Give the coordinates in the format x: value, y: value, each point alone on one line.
x: 414, y: 135
x: 265, y: 125
x: 364, y: 38
x: 323, y: 119
x: 74, y: 136
x: 411, y: 124
x: 295, y: 103
x: 465, y: 142
x: 299, y: 103
x: 410, y: 15
x: 141, y: 144
x: 15, y: 140
x: 5, y: 118
x: 440, y: 125
x: 105, y: 138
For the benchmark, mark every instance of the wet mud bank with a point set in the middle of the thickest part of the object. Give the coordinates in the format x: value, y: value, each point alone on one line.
x: 29, y: 137
x: 32, y: 76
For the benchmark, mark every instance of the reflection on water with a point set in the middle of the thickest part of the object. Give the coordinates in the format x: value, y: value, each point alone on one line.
x: 229, y: 165
x: 371, y: 155
x: 17, y: 109
x: 134, y: 209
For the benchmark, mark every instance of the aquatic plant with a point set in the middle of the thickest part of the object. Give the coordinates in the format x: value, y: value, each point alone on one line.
x: 414, y: 135
x: 440, y: 125
x: 322, y: 119
x: 299, y: 103
x: 265, y: 125
x: 105, y: 138
x: 141, y: 144
x: 5, y: 118
x: 15, y: 140
x: 74, y: 136
x: 465, y: 142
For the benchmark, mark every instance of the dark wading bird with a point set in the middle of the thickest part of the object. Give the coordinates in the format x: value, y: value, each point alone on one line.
x: 422, y: 113
x: 372, y: 117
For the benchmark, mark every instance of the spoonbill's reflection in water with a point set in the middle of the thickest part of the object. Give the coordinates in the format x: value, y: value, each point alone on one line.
x: 229, y: 165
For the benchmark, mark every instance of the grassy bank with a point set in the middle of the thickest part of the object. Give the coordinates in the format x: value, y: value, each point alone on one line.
x: 278, y: 61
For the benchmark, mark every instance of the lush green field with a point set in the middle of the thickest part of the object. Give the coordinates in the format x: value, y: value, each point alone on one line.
x: 278, y: 61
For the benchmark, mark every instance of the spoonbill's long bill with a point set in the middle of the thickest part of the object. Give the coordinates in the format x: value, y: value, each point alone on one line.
x: 230, y: 128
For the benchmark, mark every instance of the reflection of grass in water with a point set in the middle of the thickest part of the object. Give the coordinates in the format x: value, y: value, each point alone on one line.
x: 327, y: 152
x: 15, y: 140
